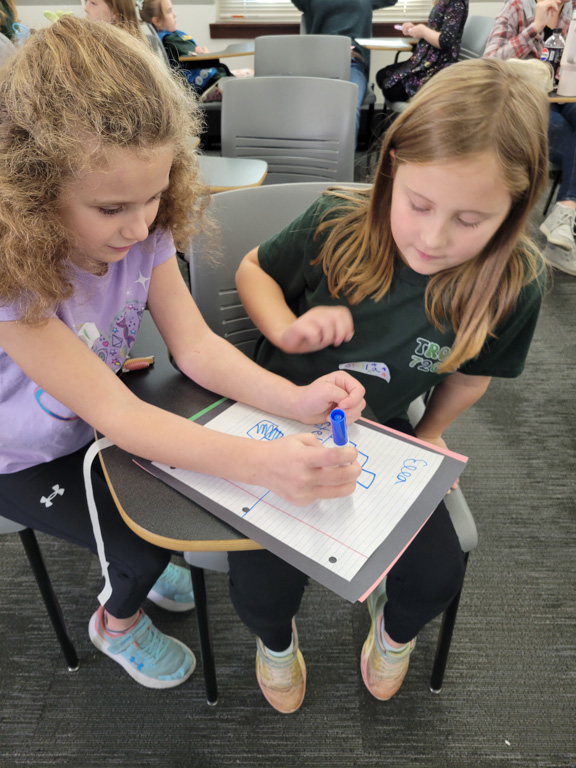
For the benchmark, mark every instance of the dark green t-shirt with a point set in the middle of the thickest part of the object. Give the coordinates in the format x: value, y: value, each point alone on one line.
x: 394, y: 331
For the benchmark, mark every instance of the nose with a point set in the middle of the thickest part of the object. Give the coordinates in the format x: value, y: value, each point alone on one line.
x: 136, y: 228
x: 435, y: 235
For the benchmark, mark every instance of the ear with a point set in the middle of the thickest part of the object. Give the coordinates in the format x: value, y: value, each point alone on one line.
x: 156, y: 21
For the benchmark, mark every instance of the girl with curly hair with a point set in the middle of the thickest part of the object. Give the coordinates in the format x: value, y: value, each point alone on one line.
x: 98, y: 181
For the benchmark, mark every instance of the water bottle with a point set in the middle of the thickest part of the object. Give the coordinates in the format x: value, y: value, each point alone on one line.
x: 553, y: 48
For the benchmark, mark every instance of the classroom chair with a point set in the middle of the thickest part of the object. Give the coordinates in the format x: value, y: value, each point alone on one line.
x: 312, y: 56
x: 368, y: 104
x: 475, y: 36
x: 303, y: 127
x: 302, y: 56
x: 246, y: 218
x: 156, y: 44
x: 34, y: 554
x: 555, y: 173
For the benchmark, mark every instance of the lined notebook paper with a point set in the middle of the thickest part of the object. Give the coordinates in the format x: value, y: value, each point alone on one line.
x: 347, y: 544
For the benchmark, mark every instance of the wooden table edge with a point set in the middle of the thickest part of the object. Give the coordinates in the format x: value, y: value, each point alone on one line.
x: 180, y: 545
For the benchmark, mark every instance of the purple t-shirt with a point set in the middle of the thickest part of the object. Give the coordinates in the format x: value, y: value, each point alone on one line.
x: 105, y: 312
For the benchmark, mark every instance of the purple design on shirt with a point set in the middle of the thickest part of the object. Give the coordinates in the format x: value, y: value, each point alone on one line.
x: 114, y: 349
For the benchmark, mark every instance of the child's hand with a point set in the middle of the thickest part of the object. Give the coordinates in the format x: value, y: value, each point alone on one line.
x: 316, y: 329
x: 547, y: 14
x: 441, y: 443
x: 201, y: 49
x: 416, y: 30
x: 334, y: 390
x: 407, y: 28
x: 300, y: 469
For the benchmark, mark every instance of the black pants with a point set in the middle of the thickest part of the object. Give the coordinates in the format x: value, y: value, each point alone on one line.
x: 395, y: 92
x: 266, y: 592
x: 51, y: 497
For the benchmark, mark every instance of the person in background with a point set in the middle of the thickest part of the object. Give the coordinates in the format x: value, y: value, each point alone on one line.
x: 8, y: 15
x: 351, y: 18
x: 122, y: 13
x: 430, y: 272
x: 438, y: 46
x: 203, y: 79
x: 519, y: 32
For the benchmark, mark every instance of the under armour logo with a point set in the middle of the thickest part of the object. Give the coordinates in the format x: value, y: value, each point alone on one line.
x: 57, y: 491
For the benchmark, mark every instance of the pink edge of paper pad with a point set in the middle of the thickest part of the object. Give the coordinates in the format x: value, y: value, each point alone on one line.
x: 430, y: 446
x: 379, y: 579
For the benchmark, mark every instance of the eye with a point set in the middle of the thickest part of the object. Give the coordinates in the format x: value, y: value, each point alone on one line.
x: 417, y: 208
x: 109, y: 211
x: 469, y: 224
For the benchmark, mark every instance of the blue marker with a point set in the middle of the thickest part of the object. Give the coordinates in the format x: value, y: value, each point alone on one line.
x: 338, y: 424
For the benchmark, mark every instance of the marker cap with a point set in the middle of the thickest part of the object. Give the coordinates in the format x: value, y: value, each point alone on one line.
x: 339, y: 431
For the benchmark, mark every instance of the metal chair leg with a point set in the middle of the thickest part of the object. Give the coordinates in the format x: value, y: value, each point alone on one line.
x: 199, y: 586
x: 556, y: 178
x: 30, y: 543
x: 445, y: 640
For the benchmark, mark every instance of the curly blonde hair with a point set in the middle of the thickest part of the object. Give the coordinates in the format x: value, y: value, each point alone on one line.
x: 73, y: 93
x: 467, y: 109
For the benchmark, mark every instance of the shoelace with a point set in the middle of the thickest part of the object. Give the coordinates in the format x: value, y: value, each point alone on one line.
x: 566, y: 215
x: 149, y: 640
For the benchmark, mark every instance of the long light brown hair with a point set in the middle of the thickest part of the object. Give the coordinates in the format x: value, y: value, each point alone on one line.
x: 467, y: 109
x: 151, y: 9
x: 125, y: 16
x: 72, y: 94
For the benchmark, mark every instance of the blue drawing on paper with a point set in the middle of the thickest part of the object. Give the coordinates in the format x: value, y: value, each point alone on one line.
x: 367, y: 477
x: 408, y: 468
x: 324, y: 433
x: 265, y: 430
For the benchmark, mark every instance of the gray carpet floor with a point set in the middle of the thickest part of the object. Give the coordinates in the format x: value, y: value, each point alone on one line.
x: 509, y: 696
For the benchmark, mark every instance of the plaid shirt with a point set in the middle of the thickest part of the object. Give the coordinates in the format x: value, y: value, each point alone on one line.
x: 513, y: 35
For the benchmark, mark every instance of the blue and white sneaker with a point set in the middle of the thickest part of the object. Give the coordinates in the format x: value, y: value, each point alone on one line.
x: 173, y: 590
x: 149, y: 656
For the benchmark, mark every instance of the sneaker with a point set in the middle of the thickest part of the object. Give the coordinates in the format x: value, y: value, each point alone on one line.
x: 152, y: 658
x: 383, y: 671
x: 558, y: 227
x: 562, y: 260
x: 173, y: 590
x: 282, y: 679
x: 212, y: 93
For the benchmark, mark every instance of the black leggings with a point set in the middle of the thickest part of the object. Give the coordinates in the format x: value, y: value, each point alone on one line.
x: 266, y: 592
x: 51, y: 497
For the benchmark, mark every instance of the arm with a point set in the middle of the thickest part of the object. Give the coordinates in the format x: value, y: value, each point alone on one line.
x: 450, y: 398
x: 450, y: 32
x: 264, y: 301
x: 208, y: 359
x: 298, y: 468
x: 422, y: 32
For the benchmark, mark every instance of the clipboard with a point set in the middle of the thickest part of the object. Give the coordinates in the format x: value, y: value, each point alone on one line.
x: 349, y: 544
